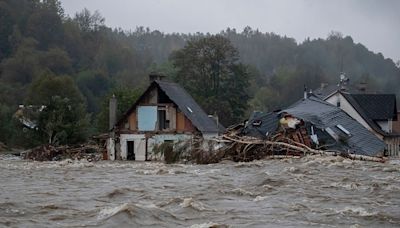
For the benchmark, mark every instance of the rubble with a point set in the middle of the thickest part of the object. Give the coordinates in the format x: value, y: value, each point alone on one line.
x: 53, y: 153
x: 288, y: 138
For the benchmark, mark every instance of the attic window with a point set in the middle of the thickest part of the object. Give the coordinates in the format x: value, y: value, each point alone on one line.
x: 189, y: 109
x: 343, y: 129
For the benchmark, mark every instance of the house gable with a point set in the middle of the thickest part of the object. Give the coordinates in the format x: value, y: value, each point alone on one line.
x: 338, y: 98
x: 154, y: 106
x: 176, y: 111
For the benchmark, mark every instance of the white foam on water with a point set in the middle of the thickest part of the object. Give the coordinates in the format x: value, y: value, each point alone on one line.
x: 260, y: 198
x: 111, y: 211
x: 356, y: 210
x: 204, y: 225
x: 204, y: 172
x: 190, y: 202
x: 391, y: 169
x: 355, y: 226
x: 242, y: 192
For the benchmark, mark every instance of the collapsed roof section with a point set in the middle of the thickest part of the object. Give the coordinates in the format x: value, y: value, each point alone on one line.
x: 350, y: 134
x: 327, y: 125
x: 261, y: 125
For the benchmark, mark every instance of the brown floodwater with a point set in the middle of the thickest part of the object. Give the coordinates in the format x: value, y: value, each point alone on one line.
x: 306, y: 192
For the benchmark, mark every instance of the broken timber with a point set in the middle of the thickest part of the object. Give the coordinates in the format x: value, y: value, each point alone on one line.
x: 298, y: 147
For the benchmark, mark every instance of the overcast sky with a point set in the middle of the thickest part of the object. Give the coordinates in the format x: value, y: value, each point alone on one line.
x: 374, y: 23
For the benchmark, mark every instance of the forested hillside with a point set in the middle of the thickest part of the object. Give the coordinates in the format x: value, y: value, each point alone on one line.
x: 45, y: 54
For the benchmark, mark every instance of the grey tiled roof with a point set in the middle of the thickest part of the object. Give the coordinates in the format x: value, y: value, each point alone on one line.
x: 324, y: 115
x: 325, y: 91
x: 268, y: 124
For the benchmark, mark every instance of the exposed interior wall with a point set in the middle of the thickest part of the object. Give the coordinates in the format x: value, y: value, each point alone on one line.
x: 150, y: 98
x: 183, y: 124
x: 188, y: 126
x: 148, y: 112
x: 171, y: 116
x: 180, y: 121
x: 132, y: 121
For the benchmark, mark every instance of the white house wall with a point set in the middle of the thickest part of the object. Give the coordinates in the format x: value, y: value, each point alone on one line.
x: 393, y: 146
x: 139, y: 146
x: 348, y: 108
x: 111, y: 149
x: 161, y: 138
x: 384, y: 125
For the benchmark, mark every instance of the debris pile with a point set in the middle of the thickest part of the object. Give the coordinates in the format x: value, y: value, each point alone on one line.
x: 53, y: 153
x: 278, y: 135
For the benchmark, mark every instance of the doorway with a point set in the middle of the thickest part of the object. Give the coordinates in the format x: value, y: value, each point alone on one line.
x: 130, y: 150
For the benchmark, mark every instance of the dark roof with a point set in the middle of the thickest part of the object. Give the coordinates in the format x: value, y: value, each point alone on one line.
x: 185, y: 103
x: 260, y: 124
x: 329, y: 89
x: 324, y: 115
x: 323, y: 92
x: 188, y: 106
x: 374, y: 107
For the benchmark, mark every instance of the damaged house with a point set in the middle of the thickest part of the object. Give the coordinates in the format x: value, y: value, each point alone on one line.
x: 164, y: 113
x: 318, y: 124
x: 375, y: 111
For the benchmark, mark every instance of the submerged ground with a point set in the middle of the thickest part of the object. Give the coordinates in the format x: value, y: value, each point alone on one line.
x: 312, y: 191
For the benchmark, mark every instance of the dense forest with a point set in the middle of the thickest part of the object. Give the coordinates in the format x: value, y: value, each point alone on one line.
x: 72, y: 65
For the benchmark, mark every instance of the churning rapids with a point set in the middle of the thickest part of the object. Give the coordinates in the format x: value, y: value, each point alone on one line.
x: 311, y: 191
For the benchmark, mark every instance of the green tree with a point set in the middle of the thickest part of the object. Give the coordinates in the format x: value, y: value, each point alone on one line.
x: 63, y: 119
x: 63, y: 122
x: 209, y: 68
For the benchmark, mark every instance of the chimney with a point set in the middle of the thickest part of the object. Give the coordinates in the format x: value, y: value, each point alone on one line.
x: 156, y: 76
x: 113, y: 112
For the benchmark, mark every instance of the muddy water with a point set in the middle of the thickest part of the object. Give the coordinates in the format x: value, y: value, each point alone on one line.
x: 317, y: 191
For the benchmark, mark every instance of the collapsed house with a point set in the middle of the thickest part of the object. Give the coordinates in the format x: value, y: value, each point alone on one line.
x: 314, y: 123
x: 164, y: 113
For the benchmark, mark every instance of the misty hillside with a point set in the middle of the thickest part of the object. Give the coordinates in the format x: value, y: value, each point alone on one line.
x: 43, y: 52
